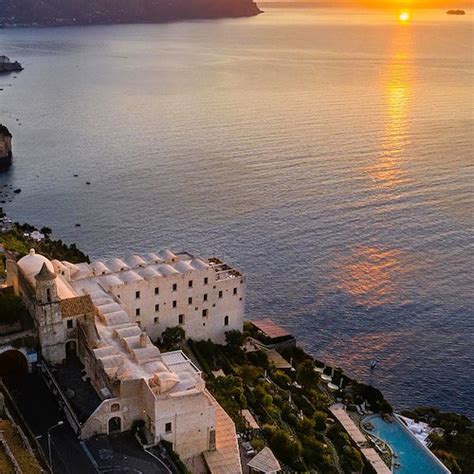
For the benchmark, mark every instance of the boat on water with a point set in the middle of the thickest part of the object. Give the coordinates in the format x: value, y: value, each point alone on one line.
x: 455, y: 12
x: 6, y: 155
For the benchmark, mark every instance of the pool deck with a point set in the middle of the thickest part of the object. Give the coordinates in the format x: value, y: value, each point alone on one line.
x: 338, y: 410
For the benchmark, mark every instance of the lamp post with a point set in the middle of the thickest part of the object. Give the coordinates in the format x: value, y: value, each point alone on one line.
x: 59, y: 423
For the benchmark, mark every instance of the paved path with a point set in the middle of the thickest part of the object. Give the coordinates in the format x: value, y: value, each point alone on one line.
x: 40, y: 411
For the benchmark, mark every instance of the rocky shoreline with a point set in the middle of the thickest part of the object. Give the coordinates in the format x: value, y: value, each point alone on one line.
x: 100, y: 12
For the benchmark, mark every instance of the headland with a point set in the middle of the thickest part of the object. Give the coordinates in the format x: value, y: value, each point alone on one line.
x: 100, y: 12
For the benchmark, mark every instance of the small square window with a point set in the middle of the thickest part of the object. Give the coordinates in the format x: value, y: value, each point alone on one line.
x: 206, y: 281
x: 175, y: 286
x: 205, y: 313
x: 168, y: 427
x: 190, y: 283
x: 137, y: 295
x: 70, y: 323
x: 235, y: 291
x: 175, y: 303
x: 157, y: 308
x: 204, y: 297
x: 157, y: 291
x: 156, y: 320
x: 181, y: 319
x: 137, y: 312
x: 220, y: 294
x: 190, y: 300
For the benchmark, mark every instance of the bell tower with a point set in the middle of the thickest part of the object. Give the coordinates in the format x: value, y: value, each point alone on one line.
x: 48, y: 317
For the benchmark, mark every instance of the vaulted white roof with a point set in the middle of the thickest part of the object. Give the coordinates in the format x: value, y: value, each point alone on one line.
x: 32, y: 263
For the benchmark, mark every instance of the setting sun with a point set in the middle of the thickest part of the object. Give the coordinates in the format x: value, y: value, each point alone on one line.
x: 404, y: 17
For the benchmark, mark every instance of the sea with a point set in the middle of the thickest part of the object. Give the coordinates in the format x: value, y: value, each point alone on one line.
x: 325, y: 152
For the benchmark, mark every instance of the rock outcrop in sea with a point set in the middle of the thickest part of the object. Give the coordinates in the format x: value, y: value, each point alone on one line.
x: 86, y: 12
x: 8, y: 66
x: 5, y: 146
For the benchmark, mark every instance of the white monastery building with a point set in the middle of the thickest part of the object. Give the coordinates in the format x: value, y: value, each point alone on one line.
x: 108, y: 312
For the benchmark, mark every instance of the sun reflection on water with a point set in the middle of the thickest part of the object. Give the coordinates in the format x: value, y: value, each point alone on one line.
x: 386, y: 172
x: 370, y: 276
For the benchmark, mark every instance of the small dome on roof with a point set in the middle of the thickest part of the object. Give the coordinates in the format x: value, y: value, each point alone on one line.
x: 135, y: 261
x: 32, y: 263
x: 166, y: 255
x: 117, y: 265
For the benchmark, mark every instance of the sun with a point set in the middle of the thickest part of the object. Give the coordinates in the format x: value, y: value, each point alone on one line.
x: 404, y: 17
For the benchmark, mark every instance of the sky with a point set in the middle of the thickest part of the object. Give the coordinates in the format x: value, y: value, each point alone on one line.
x: 401, y: 4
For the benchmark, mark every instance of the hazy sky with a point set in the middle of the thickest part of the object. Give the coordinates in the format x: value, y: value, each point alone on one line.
x: 385, y: 3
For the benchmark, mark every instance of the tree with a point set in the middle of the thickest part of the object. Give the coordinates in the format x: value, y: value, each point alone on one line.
x: 46, y: 231
x: 319, y: 418
x: 284, y: 447
x: 305, y: 374
x: 234, y: 339
x: 249, y: 373
x: 172, y: 337
x: 305, y: 425
x: 449, y: 461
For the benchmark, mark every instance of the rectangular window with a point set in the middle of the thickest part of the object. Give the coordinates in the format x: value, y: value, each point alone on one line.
x: 157, y: 291
x: 181, y: 319
x: 190, y: 283
x: 156, y: 320
x: 137, y: 295
x: 175, y: 303
x: 168, y: 427
x: 190, y: 300
x: 204, y: 297
x: 70, y: 323
x: 205, y: 313
x: 175, y: 286
x: 137, y: 312
x: 157, y: 308
x: 206, y: 280
x: 235, y: 291
x: 220, y: 294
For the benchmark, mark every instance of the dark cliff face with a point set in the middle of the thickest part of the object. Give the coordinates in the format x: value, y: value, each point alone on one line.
x: 67, y: 12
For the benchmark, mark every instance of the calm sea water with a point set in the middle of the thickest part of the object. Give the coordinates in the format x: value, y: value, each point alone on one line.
x: 326, y: 153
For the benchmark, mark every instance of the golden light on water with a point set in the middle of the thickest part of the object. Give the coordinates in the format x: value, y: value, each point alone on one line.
x: 369, y: 276
x: 404, y: 17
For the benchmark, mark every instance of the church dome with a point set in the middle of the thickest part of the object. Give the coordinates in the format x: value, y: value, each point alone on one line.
x: 32, y: 263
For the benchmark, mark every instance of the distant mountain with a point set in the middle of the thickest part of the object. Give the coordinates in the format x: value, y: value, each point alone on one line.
x: 89, y: 12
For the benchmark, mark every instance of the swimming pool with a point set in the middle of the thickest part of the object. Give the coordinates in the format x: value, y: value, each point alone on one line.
x: 412, y: 456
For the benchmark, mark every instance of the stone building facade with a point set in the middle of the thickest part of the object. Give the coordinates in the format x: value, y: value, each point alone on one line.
x: 90, y: 311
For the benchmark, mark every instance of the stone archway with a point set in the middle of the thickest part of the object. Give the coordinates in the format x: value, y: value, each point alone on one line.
x: 13, y: 364
x: 115, y: 425
x: 71, y: 349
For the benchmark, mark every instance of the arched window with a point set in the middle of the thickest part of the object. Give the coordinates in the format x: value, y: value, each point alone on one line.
x: 226, y: 321
x: 115, y: 407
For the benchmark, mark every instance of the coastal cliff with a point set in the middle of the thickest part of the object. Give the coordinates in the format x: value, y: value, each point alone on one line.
x: 5, y: 146
x: 89, y: 12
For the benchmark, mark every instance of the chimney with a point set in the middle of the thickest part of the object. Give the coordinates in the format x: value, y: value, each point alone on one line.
x: 143, y: 341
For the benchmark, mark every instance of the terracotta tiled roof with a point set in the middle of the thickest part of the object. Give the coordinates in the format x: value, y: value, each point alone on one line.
x: 75, y: 306
x: 270, y: 329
